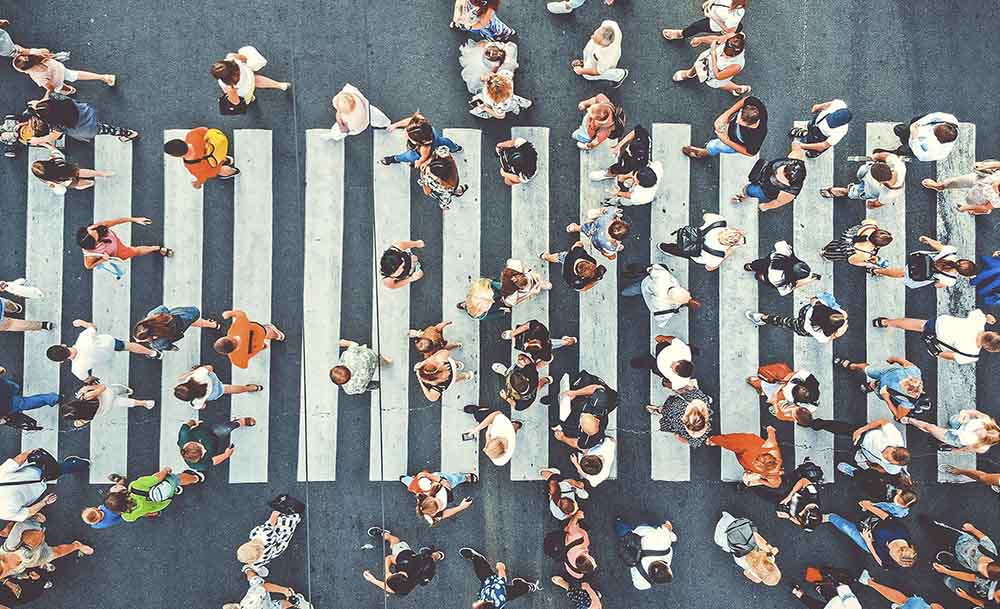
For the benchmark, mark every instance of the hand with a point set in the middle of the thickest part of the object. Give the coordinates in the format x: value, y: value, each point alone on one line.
x: 229, y: 451
x: 168, y: 470
x: 465, y: 502
x: 577, y: 70
x: 924, y: 239
x: 142, y: 220
x: 50, y: 499
x: 968, y: 527
x: 3, y: 286
x: 391, y: 128
x: 856, y: 436
x: 559, y: 435
x: 905, y: 420
x: 939, y: 567
x: 367, y: 575
x: 990, y: 319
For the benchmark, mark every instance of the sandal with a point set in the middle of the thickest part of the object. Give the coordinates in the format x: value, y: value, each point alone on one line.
x: 166, y: 252
x: 68, y: 90
x: 930, y: 184
x: 679, y: 76
x: 256, y: 388
x: 217, y: 326
x: 280, y: 335
x: 879, y: 322
x: 132, y: 135
x: 866, y: 388
x: 748, y: 268
x: 741, y: 90
x: 842, y: 362
x: 797, y: 132
x: 248, y: 422
x: 668, y: 36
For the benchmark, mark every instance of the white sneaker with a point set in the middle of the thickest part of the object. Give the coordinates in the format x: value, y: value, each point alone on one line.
x: 581, y: 146
x: 499, y: 368
x: 559, y: 8
x: 600, y: 174
x: 149, y: 404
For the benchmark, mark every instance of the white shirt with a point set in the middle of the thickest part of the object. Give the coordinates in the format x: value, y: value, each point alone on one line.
x: 785, y: 391
x: 93, y: 353
x: 606, y: 451
x: 711, y: 240
x: 845, y: 599
x: 674, y: 352
x: 603, y: 58
x: 948, y: 252
x: 501, y: 427
x: 15, y: 499
x: 833, y: 134
x: 199, y: 375
x: 882, y: 192
x: 925, y: 144
x: 656, y: 291
x: 358, y: 120
x: 640, y: 195
x: 873, y: 443
x: 968, y: 432
x: 723, y: 11
x: 960, y: 333
x: 654, y: 539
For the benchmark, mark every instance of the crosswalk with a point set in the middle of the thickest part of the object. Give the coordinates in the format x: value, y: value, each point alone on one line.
x: 324, y: 302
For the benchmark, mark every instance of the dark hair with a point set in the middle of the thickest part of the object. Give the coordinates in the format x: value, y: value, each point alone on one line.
x: 946, y: 132
x: 827, y: 319
x: 55, y: 170
x: 524, y: 159
x: 795, y: 171
x: 225, y: 345
x: 119, y: 501
x: 54, y: 111
x: 619, y: 229
x: 792, y: 268
x: 993, y: 570
x: 340, y: 375
x: 176, y: 148
x: 227, y: 71
x: 803, y: 393
x: 423, y: 345
x: 519, y: 382
x: 908, y: 496
x: 85, y: 240
x: 161, y: 325
x: 400, y: 579
x: 881, y: 171
x: 750, y: 112
x: 684, y: 368
x: 803, y: 417
x: 991, y: 341
x: 420, y: 131
x: 584, y: 563
x: 659, y: 572
x: 900, y: 455
x: 511, y: 281
x: 444, y: 168
x: 26, y: 61
x: 391, y: 260
x: 880, y: 237
x: 737, y: 42
x: 646, y: 177
x: 82, y: 410
x: 57, y: 353
x: 591, y: 464
x: 964, y: 267
x: 497, y: 51
x: 190, y: 390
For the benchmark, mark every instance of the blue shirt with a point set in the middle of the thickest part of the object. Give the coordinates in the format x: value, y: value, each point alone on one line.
x: 915, y: 602
x: 494, y: 591
x: 110, y: 519
x: 892, y: 509
x: 892, y: 377
x: 597, y: 230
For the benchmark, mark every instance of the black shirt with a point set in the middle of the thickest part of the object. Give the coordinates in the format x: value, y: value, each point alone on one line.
x: 536, y: 332
x: 569, y: 274
x: 635, y: 155
x: 769, y: 182
x: 527, y: 398
x: 752, y: 138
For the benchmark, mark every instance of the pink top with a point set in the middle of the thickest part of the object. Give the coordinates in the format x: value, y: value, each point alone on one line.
x: 53, y: 76
x: 111, y: 249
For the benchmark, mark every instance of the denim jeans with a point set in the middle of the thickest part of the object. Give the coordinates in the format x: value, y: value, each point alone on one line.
x: 756, y: 192
x: 412, y: 156
x: 850, y: 529
x: 73, y: 465
x: 716, y: 147
x: 21, y: 403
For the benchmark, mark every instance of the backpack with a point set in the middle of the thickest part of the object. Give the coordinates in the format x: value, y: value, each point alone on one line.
x: 809, y: 471
x: 601, y: 403
x: 691, y: 239
x: 919, y: 267
x: 631, y: 552
x: 739, y: 537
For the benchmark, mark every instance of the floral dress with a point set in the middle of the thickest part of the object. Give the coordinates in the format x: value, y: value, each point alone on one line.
x: 275, y: 539
x: 672, y: 417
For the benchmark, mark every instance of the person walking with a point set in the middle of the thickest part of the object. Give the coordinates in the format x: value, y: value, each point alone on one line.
x: 602, y: 119
x: 148, y: 496
x: 687, y: 414
x: 11, y: 324
x: 821, y: 318
x: 431, y: 339
x: 982, y: 187
x: 399, y: 266
x: 968, y: 431
x: 775, y: 183
x: 708, y: 245
x: 519, y: 284
x: 721, y: 16
x: 421, y: 140
x: 940, y: 266
x: 496, y: 589
x: 92, y: 352
x: 720, y: 64
x: 356, y: 368
x: 859, y: 246
x: 51, y: 74
x: 534, y: 340
x: 205, y: 153
x: 594, y: 464
x: 100, y: 517
x: 501, y: 433
x: 440, y: 180
x: 13, y: 400
x: 480, y: 17
x: 671, y: 361
x: 521, y: 381
x: 104, y: 250
x: 19, y: 554
x: 258, y: 596
x: 269, y: 539
x: 785, y: 390
x: 969, y: 564
x: 782, y: 270
x: 632, y: 152
x: 238, y: 76
x: 482, y: 301
x: 61, y: 175
x: 404, y: 568
x: 579, y: 269
x: 606, y: 227
x: 880, y: 181
x: 246, y: 338
x: 518, y: 161
x: 354, y: 114
x: 96, y: 399
x: 826, y: 128
x: 56, y: 115
x: 640, y: 186
x: 201, y: 385
x: 888, y: 541
x: 948, y: 337
x: 497, y: 98
x: 759, y: 457
x: 601, y: 55
x: 900, y: 384
x: 739, y: 130
x: 581, y: 595
x: 750, y: 551
x: 480, y: 59
x: 927, y: 138
x: 662, y: 292
x: 438, y: 372
x: 564, y: 493
x: 24, y: 482
x: 205, y: 445
x: 434, y: 491
x: 648, y: 552
x: 880, y: 449
x: 163, y: 327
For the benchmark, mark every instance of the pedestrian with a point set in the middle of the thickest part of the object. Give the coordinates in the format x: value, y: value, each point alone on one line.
x: 802, y: 505
x: 24, y: 587
x: 898, y: 507
x: 439, y: 372
x: 440, y: 180
x: 940, y: 266
x: 421, y: 140
x: 96, y: 399
x: 775, y: 183
x: 573, y: 552
x: 238, y: 78
x: 631, y: 152
x: 482, y: 301
x: 751, y: 552
x: 534, y: 339
x: 982, y: 187
x: 25, y: 548
x: 880, y: 448
x: 887, y: 541
x: 821, y: 318
x: 92, y: 352
x: 989, y: 479
x: 971, y: 571
x: 521, y: 381
x: 782, y: 270
x: 100, y: 517
x: 501, y: 432
x: 581, y: 595
x: 246, y: 338
x: 606, y: 227
x: 205, y: 153
x: 579, y: 269
x: 55, y: 115
x: 927, y: 138
x: 518, y: 161
x: 662, y: 292
x: 832, y: 591
x: 826, y: 128
x: 480, y: 17
x: 640, y: 186
x: 739, y: 130
x: 880, y: 181
x: 258, y: 596
x: 495, y: 591
x: 786, y: 390
x: 687, y: 414
x: 10, y: 324
x: 900, y: 384
x: 594, y: 464
x: 480, y: 59
x: 51, y: 74
x: 205, y: 445
x: 399, y: 266
x: 564, y: 7
x: 584, y: 408
x: 648, y: 552
x: 519, y: 284
x: 564, y: 493
x: 859, y: 246
x: 898, y: 599
x: 759, y: 457
x: 434, y: 491
x: 201, y: 385
x: 602, y: 119
x: 356, y: 368
x: 431, y: 339
x: 354, y: 114
x: 270, y: 539
x: 9, y: 49
x: 404, y: 568
x: 948, y: 337
x: 103, y: 249
x: 721, y: 16
x: 163, y: 327
x: 968, y: 431
x: 602, y: 54
x: 13, y: 400
x: 671, y: 362
x: 720, y: 64
x: 148, y: 496
x: 23, y: 482
x: 708, y: 245
x: 497, y: 98
x: 61, y: 175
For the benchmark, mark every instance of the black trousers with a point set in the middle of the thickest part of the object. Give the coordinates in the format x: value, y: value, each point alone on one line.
x: 517, y: 586
x: 835, y: 427
x: 674, y: 250
x: 703, y: 26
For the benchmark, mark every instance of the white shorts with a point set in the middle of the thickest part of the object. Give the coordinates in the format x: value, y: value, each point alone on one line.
x: 71, y: 75
x: 396, y: 548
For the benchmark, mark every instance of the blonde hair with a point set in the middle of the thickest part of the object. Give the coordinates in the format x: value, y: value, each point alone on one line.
x: 231, y: 606
x: 346, y: 100
x: 916, y: 384
x: 250, y: 552
x: 762, y: 565
x: 499, y: 87
x: 731, y: 236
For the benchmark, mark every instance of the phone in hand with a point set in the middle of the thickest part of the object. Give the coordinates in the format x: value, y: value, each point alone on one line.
x: 468, y: 436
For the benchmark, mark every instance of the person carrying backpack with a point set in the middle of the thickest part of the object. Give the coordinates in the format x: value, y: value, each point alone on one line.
x: 708, y: 245
x: 739, y: 537
x: 802, y: 505
x: 940, y: 267
x: 648, y: 552
x: 404, y: 568
x: 518, y: 161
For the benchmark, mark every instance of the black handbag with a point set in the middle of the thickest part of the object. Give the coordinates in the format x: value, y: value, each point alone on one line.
x: 287, y: 505
x: 228, y: 108
x: 756, y: 175
x: 19, y: 420
x: 44, y: 461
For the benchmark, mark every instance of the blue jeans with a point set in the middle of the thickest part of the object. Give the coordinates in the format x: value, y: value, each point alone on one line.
x: 716, y: 147
x: 455, y: 480
x: 633, y: 289
x: 22, y: 403
x: 622, y: 528
x: 412, y: 156
x: 850, y: 529
x: 73, y: 465
x: 756, y: 192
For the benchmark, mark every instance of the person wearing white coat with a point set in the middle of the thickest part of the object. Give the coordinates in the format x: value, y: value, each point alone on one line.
x: 662, y: 292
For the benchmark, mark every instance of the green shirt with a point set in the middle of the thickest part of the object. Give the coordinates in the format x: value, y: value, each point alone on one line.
x: 143, y: 505
x: 202, y: 434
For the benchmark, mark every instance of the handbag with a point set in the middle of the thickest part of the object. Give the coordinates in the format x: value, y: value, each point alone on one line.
x: 756, y: 175
x: 19, y: 420
x: 287, y: 505
x: 228, y: 108
x: 43, y: 460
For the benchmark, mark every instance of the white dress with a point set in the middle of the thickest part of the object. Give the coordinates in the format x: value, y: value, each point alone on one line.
x: 512, y: 104
x: 471, y: 56
x: 255, y: 62
x: 364, y: 114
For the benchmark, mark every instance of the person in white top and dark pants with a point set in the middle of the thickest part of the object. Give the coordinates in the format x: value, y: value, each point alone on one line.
x: 651, y: 550
x: 601, y: 55
x: 664, y: 295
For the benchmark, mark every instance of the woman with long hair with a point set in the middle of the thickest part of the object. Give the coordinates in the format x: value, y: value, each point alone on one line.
x: 497, y: 97
x: 50, y: 74
x: 822, y: 318
x: 721, y: 17
x: 55, y: 114
x: 431, y: 339
x: 60, y: 174
x: 100, y: 244
x: 480, y: 59
x: 438, y: 372
x: 759, y: 457
x: 399, y: 266
x: 518, y: 284
x: 968, y: 431
x: 96, y: 399
x: 237, y: 75
x: 162, y: 327
x: 518, y: 161
x: 201, y: 385
x: 940, y: 267
x: 439, y: 178
x: 859, y: 246
x: 720, y: 64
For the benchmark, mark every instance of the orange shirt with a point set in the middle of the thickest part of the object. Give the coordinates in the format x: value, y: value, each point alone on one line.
x: 205, y: 163
x: 250, y: 335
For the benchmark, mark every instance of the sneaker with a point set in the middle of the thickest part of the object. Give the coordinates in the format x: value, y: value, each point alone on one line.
x: 498, y: 368
x: 864, y: 577
x: 149, y: 404
x: 847, y: 469
x: 156, y: 355
x: 755, y: 318
x: 457, y: 150
x: 47, y: 325
x: 468, y: 553
x: 470, y: 408
x: 179, y: 491
x: 620, y: 82
x: 376, y: 532
x: 507, y: 335
x: 559, y: 8
x: 16, y: 307
x: 581, y: 146
x: 582, y: 493
x: 534, y: 586
x: 599, y: 174
x: 389, y: 160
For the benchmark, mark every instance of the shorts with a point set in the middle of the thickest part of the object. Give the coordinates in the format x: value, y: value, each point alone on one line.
x: 215, y: 388
x: 71, y: 75
x: 119, y: 344
x: 396, y: 548
x: 951, y: 436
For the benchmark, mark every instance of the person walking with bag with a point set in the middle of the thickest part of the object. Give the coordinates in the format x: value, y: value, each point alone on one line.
x: 103, y: 249
x: 237, y: 76
x: 205, y: 153
x: 55, y: 115
x: 602, y: 119
x: 480, y: 17
x: 270, y: 539
x: 602, y: 54
x: 709, y: 245
x: 782, y: 270
x: 164, y: 326
x: 968, y: 431
x: 662, y: 292
x: 648, y: 552
x: 982, y: 187
x: 859, y: 246
x: 51, y: 74
x: 720, y: 64
x: 61, y: 175
x: 23, y: 482
x: 940, y: 267
x: 399, y: 266
x: 518, y: 161
x: 404, y: 568
x: 201, y: 385
x: 786, y: 390
x: 826, y: 128
x: 759, y: 457
x: 721, y: 16
x: 579, y: 269
x: 258, y: 596
x: 422, y: 139
x: 750, y: 551
x: 900, y: 384
x: 880, y: 181
x: 92, y: 352
x: 821, y: 318
x: 495, y: 590
x: 201, y: 444
x: 246, y: 338
x: 96, y: 399
x: 13, y: 400
x: 148, y: 496
x: 775, y: 183
x: 606, y: 227
x: 948, y: 337
x: 739, y: 130
x: 434, y: 491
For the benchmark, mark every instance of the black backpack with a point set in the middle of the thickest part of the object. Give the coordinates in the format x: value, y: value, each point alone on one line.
x: 919, y: 267
x: 691, y: 239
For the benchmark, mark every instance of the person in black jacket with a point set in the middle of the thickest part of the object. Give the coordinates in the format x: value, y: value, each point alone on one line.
x: 740, y: 129
x: 776, y: 183
x: 580, y: 269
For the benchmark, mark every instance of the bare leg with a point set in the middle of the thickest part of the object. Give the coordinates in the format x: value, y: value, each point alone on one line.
x: 234, y: 389
x: 68, y: 548
x: 145, y: 250
x: 890, y: 594
x: 838, y: 192
x: 463, y: 376
x: 390, y: 538
x: 273, y: 333
x: 139, y: 349
x: 206, y: 323
x: 906, y: 323
x: 95, y: 173
x: 266, y: 83
x: 896, y: 273
x: 188, y: 479
x: 734, y: 88
x: 83, y: 184
x: 19, y: 325
x: 107, y: 79
x: 975, y: 474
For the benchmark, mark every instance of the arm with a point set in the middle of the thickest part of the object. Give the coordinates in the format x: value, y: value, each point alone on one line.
x: 80, y: 323
x: 162, y: 474
x: 817, y: 147
x: 595, y: 600
x: 221, y: 458
x: 617, y: 148
x: 897, y: 411
x: 772, y: 437
x: 964, y: 576
x: 346, y: 344
x: 458, y: 509
x: 867, y: 536
x: 110, y: 223
x: 232, y: 313
x: 425, y: 157
x: 783, y: 198
x: 486, y: 422
x: 405, y: 245
x: 375, y: 581
x: 801, y: 484
x: 868, y: 506
x: 562, y: 437
x: 400, y: 123
x: 969, y: 528
x: 856, y: 436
